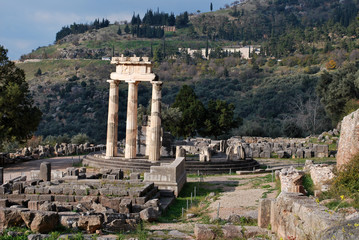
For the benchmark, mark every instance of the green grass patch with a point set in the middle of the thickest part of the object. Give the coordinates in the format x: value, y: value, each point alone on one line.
x: 335, y: 204
x: 194, y: 175
x: 20, y: 234
x: 308, y: 184
x: 203, y: 189
x: 258, y: 181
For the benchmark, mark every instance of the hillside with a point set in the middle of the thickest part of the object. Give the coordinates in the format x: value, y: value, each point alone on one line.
x: 274, y: 92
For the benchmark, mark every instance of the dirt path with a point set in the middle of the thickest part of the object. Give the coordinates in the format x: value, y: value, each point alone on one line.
x: 240, y: 196
x: 24, y: 168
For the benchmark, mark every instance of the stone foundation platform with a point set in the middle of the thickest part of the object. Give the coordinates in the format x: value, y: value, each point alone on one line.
x: 98, y: 160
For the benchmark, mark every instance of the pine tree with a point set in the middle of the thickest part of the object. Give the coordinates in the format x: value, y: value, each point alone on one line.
x: 38, y: 73
x: 119, y: 32
x: 18, y: 117
x: 127, y: 29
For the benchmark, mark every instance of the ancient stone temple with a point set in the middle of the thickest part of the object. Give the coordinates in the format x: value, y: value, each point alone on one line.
x: 133, y: 71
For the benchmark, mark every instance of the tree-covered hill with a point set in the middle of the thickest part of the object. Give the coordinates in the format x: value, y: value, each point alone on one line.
x: 277, y: 92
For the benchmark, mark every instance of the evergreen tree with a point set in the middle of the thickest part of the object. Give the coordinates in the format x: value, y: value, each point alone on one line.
x: 38, y: 73
x: 193, y: 113
x: 127, y: 29
x: 171, y: 20
x: 158, y: 54
x: 151, y: 51
x: 219, y: 118
x: 18, y: 117
x: 211, y: 7
x: 119, y: 32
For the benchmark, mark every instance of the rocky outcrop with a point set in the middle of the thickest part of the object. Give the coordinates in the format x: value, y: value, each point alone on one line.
x: 349, y: 138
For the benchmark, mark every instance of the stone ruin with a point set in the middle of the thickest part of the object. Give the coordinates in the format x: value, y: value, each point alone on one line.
x: 82, y: 200
x: 291, y: 179
x: 133, y: 70
x: 245, y: 148
x: 295, y: 216
x: 292, y: 215
x: 349, y: 138
x: 47, y: 151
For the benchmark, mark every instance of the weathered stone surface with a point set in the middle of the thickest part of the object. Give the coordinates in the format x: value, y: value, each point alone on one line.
x: 44, y: 222
x: 252, y: 231
x: 69, y: 219
x: 90, y: 223
x: 232, y: 232
x: 320, y: 173
x: 168, y: 177
x: 291, y: 180
x: 38, y: 236
x: 349, y: 138
x: 204, y: 232
x: 125, y: 206
x: 264, y: 212
x: 10, y: 217
x: 343, y: 231
x: 149, y: 214
x: 27, y: 217
x: 47, y: 206
x: 117, y: 225
x: 298, y: 217
x: 45, y: 171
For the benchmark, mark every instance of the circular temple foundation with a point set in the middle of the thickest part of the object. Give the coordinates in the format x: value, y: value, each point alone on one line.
x: 141, y: 164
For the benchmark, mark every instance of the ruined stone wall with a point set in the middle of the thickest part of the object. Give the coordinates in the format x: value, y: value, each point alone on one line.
x: 295, y: 216
x: 349, y: 138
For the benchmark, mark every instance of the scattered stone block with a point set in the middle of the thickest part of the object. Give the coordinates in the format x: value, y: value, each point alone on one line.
x: 125, y: 205
x: 135, y: 176
x: 44, y: 222
x: 90, y: 223
x: 232, y: 231
x: 204, y: 232
x: 149, y: 214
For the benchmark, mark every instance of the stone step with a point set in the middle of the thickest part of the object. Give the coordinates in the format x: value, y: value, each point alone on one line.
x: 142, y: 165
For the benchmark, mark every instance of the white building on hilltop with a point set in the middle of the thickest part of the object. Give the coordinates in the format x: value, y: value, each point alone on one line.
x: 244, y: 50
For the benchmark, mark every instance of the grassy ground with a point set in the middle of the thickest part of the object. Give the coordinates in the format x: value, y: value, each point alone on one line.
x: 198, y: 205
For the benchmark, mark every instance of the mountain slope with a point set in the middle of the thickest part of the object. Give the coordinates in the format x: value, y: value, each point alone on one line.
x: 273, y: 92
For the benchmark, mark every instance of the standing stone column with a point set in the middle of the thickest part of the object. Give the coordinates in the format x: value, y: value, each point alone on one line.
x: 45, y: 171
x: 131, y: 123
x: 112, y: 121
x: 155, y: 132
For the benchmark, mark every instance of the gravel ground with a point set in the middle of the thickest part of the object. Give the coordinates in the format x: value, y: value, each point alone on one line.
x: 24, y: 168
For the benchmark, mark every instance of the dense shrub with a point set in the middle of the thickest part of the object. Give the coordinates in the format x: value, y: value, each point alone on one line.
x: 345, y: 185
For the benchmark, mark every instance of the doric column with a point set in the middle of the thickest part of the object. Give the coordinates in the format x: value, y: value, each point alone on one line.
x: 112, y: 121
x: 155, y: 132
x: 131, y: 123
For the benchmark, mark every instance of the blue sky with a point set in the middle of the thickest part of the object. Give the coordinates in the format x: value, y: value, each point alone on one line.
x: 28, y: 24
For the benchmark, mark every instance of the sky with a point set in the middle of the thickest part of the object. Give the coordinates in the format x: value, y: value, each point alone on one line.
x: 28, y: 24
